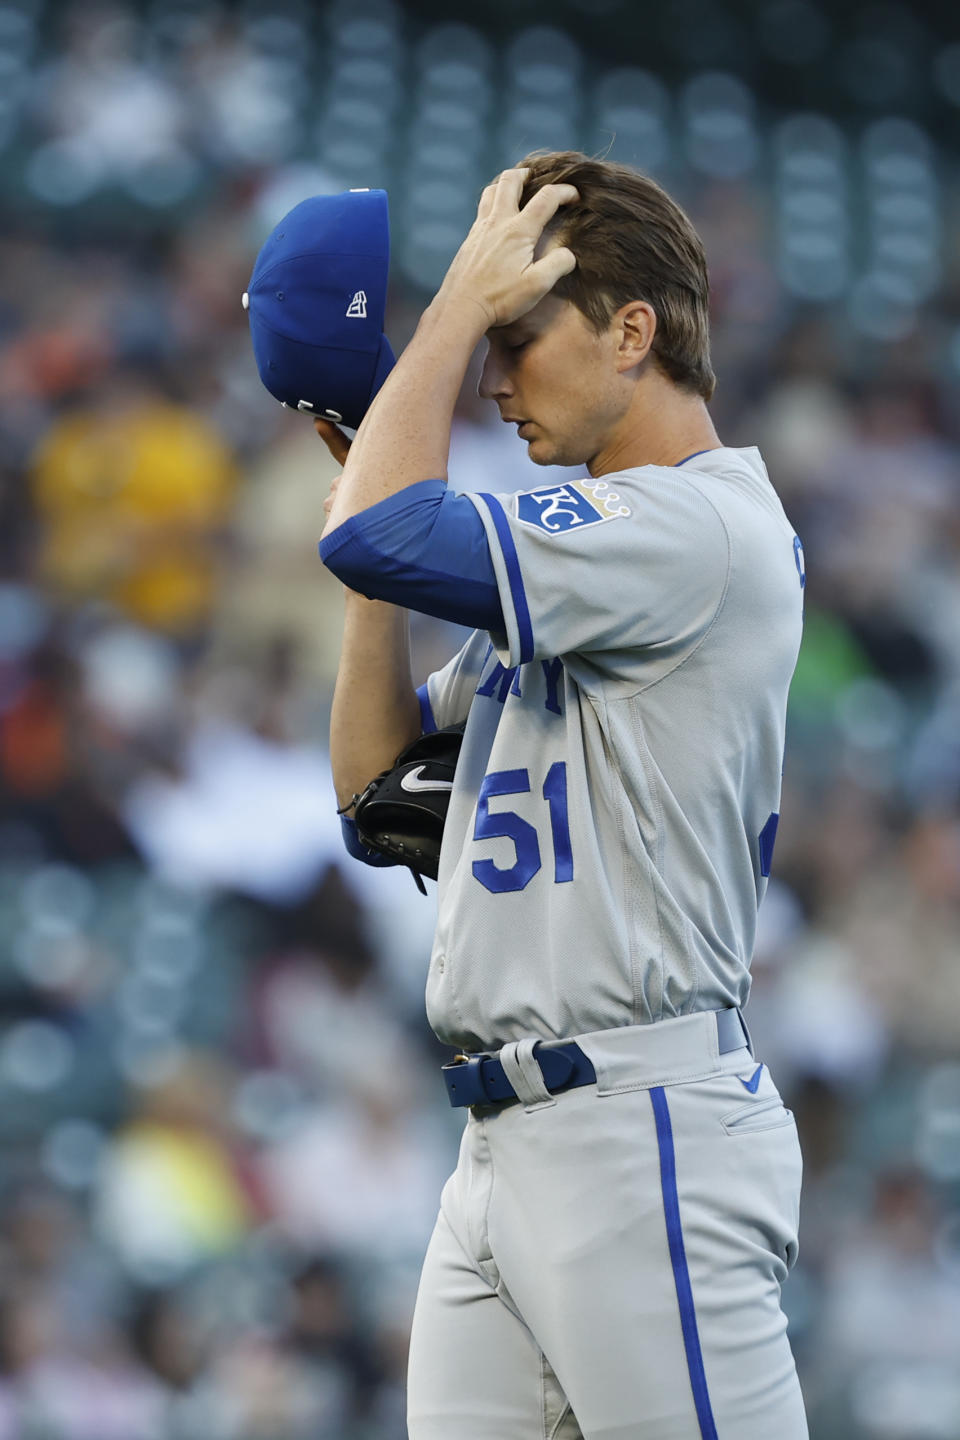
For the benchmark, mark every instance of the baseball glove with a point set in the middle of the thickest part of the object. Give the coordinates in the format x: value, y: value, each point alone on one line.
x: 402, y: 812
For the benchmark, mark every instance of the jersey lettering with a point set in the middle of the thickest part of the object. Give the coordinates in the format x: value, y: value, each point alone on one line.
x: 508, y: 824
x: 517, y: 876
x: 767, y: 839
x: 801, y: 565
x: 508, y: 680
x: 502, y: 682
x: 552, y: 671
x: 555, y: 794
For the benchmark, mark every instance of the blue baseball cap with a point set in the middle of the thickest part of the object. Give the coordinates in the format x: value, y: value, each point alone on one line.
x: 316, y: 305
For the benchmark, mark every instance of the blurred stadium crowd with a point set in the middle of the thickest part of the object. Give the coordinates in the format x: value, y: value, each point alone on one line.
x: 222, y: 1134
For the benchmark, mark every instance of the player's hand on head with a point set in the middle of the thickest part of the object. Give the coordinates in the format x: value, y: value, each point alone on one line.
x: 339, y: 446
x: 333, y: 437
x: 334, y: 487
x: 495, y: 266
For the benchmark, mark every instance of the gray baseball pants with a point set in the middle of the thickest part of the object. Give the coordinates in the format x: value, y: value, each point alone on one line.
x: 607, y: 1262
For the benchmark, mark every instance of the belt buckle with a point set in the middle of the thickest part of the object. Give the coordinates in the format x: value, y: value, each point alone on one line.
x: 464, y: 1080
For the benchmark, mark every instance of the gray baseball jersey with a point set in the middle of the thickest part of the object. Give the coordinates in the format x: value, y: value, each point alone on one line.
x: 616, y: 798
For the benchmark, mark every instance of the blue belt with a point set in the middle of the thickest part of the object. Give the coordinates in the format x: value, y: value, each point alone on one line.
x: 482, y: 1080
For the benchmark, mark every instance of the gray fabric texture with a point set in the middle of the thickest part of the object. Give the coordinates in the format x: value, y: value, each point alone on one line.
x: 548, y: 1304
x: 646, y: 733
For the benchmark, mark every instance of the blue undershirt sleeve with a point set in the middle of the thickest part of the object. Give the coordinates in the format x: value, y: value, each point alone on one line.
x: 428, y: 723
x: 424, y: 548
x: 356, y: 847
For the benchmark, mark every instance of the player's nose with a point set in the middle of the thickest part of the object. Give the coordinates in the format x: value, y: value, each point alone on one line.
x: 493, y: 383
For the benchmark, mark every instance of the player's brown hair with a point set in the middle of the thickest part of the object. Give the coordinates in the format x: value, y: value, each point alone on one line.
x: 632, y: 242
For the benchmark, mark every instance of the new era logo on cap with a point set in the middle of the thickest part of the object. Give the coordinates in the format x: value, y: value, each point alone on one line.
x: 316, y: 303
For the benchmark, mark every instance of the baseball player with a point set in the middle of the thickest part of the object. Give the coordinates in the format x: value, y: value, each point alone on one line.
x: 609, y: 1253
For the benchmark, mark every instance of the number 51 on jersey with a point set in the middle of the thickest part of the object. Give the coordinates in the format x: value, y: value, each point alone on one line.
x: 526, y: 841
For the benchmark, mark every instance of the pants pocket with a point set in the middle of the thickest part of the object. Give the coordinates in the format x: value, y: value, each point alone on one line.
x: 766, y: 1113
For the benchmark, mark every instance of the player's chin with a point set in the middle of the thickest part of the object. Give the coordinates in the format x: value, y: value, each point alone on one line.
x: 542, y: 450
x: 545, y: 450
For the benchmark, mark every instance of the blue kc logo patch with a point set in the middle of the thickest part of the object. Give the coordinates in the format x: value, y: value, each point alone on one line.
x: 570, y: 507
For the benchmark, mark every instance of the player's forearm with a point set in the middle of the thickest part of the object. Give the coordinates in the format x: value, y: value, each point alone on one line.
x: 375, y: 708
x: 405, y: 435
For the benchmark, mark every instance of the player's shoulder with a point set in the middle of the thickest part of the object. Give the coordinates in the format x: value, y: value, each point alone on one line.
x: 732, y: 482
x: 732, y: 476
x: 637, y: 493
x: 761, y: 541
x: 740, y: 468
x: 703, y: 495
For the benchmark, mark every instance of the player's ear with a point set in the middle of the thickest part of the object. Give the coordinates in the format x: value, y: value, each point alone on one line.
x: 637, y: 325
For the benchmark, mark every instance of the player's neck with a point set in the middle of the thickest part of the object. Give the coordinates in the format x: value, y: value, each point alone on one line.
x: 662, y: 427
